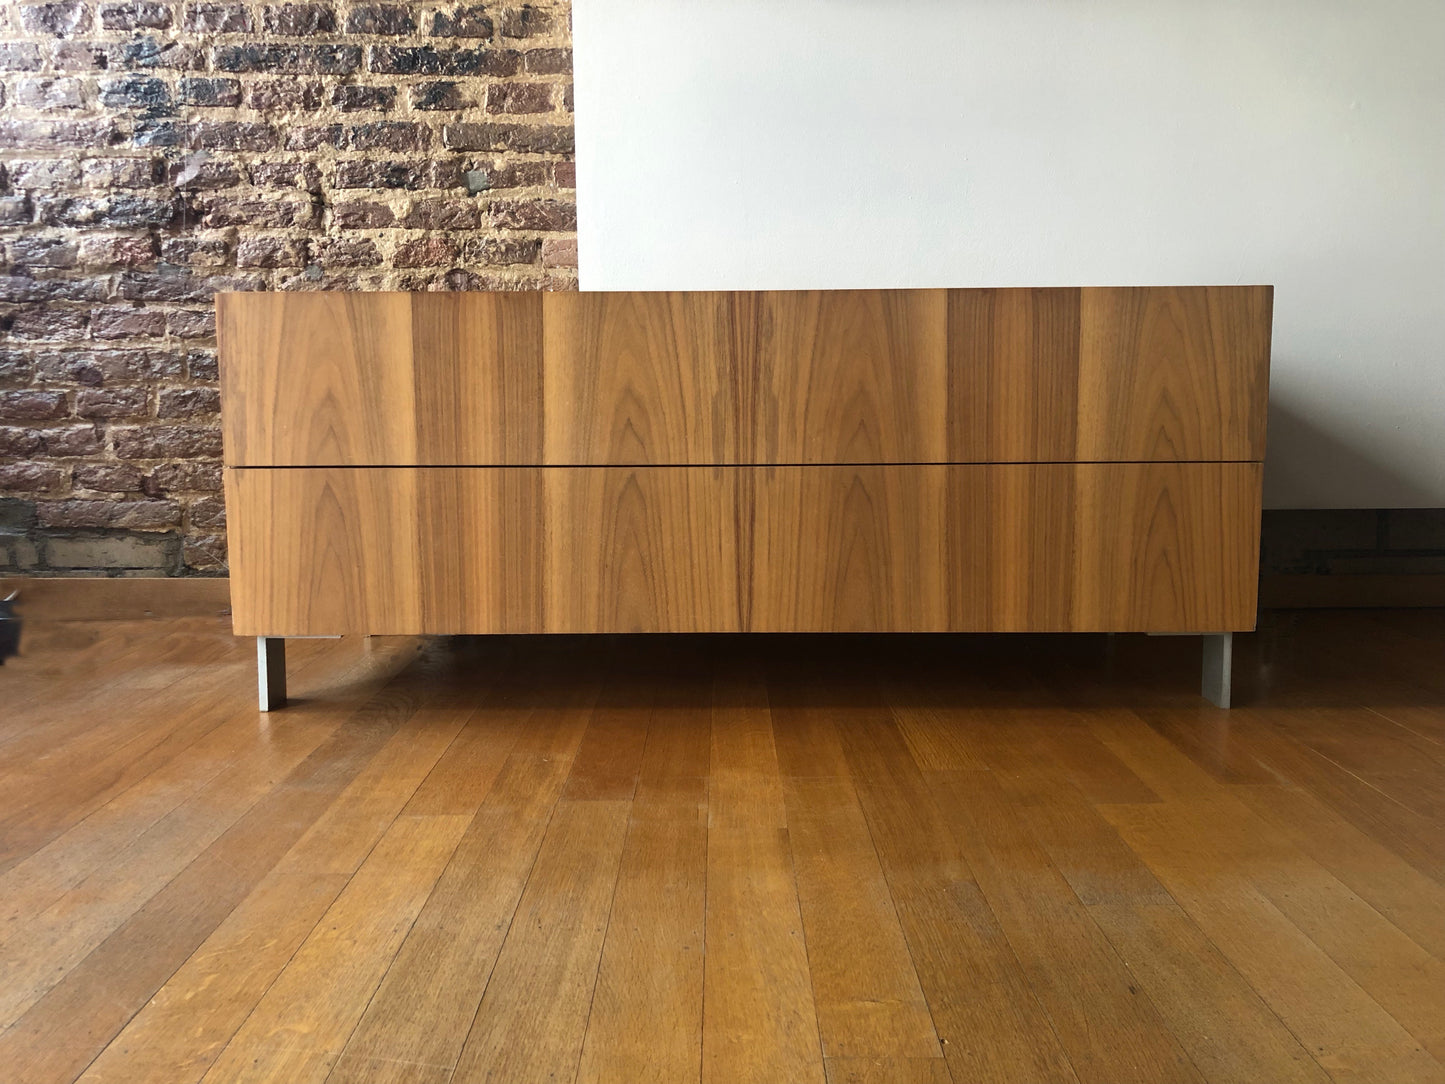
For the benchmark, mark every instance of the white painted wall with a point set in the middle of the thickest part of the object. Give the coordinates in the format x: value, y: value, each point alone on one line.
x: 739, y: 144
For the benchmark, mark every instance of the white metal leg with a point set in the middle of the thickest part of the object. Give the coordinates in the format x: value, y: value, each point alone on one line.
x: 1218, y: 668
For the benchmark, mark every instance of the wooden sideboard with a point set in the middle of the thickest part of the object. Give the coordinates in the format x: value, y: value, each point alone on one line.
x: 874, y: 460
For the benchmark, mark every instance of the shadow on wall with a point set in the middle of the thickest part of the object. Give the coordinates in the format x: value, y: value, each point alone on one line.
x: 1305, y: 462
x: 1303, y: 459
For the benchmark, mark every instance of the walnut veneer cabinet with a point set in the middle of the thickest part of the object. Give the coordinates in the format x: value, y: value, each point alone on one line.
x: 871, y: 460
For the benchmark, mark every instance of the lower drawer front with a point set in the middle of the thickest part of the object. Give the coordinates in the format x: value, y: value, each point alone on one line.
x: 1167, y: 547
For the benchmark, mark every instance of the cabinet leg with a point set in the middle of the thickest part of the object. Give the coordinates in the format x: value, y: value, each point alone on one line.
x: 271, y: 671
x: 1218, y: 668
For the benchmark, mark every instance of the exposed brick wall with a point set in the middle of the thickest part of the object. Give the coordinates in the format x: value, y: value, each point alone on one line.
x: 153, y: 152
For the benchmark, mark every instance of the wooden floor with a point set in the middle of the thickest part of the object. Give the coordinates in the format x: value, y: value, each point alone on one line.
x: 724, y: 860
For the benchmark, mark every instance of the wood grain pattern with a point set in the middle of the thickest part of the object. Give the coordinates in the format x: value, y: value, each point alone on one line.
x: 1174, y: 373
x: 845, y: 376
x: 380, y: 379
x: 385, y: 550
x: 640, y: 378
x: 1158, y: 547
x: 852, y: 376
x: 1013, y: 375
x: 645, y: 550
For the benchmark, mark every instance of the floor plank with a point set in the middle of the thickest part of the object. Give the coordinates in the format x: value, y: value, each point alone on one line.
x: 724, y: 859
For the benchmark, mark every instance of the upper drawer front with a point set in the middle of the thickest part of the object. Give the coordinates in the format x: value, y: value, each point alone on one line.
x: 865, y: 376
x: 376, y: 379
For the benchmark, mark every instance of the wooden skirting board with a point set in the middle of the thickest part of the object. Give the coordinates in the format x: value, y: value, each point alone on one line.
x: 97, y: 598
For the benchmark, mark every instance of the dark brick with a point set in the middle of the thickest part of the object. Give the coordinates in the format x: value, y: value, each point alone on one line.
x: 15, y: 210
x: 310, y: 138
x: 19, y: 56
x: 207, y: 512
x: 42, y: 322
x: 197, y: 251
x: 44, y: 173
x: 443, y: 95
x: 29, y: 478
x: 503, y: 250
x: 15, y: 515
x: 25, y: 252
x: 548, y: 61
x: 527, y: 138
x: 282, y: 95
x: 380, y: 19
x: 464, y: 22
x: 265, y: 213
x: 50, y: 95
x: 94, y: 368
x: 361, y: 216
x: 158, y: 133
x: 89, y: 135
x: 296, y: 59
x: 525, y: 22
x: 533, y: 215
x: 218, y: 19
x: 269, y: 252
x: 567, y: 102
x: 107, y: 477
x: 349, y: 97
x: 439, y: 214
x: 112, y: 402
x: 93, y: 513
x: 564, y: 174
x: 519, y: 98
x: 390, y: 135
x: 187, y: 402
x: 127, y: 323
x: 16, y: 367
x: 31, y: 406
x: 123, y: 172
x: 371, y: 173
x: 116, y: 211
x: 118, y: 251
x: 78, y: 56
x: 182, y: 477
x: 209, y: 92
x: 347, y: 253
x: 200, y: 172
x: 137, y: 92
x: 18, y: 288
x: 68, y: 441
x: 204, y: 553
x: 166, y: 441
x: 425, y: 252
x: 202, y: 365
x: 62, y: 20
x: 428, y: 60
x: 200, y: 324
x: 135, y: 15
x: 19, y: 442
x: 297, y: 20
x: 559, y: 252
x: 171, y: 283
x: 233, y: 135
x: 155, y: 53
